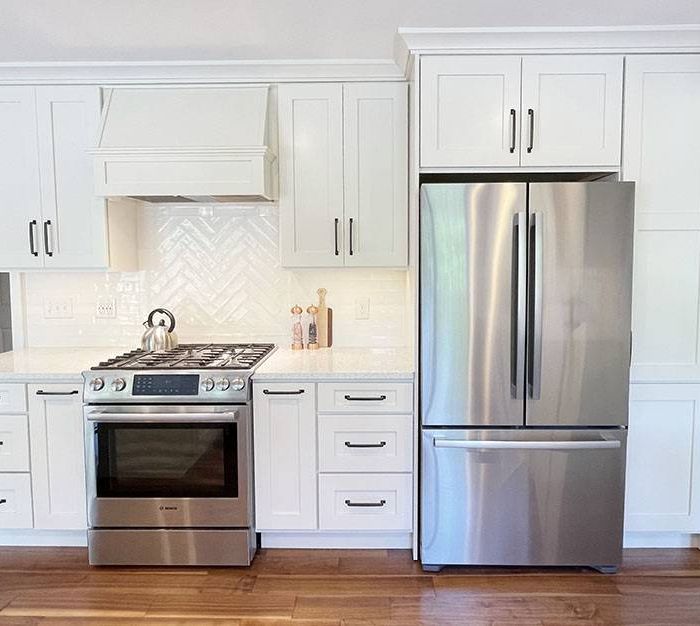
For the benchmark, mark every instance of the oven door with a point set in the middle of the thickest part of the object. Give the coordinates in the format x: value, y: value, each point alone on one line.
x: 168, y: 466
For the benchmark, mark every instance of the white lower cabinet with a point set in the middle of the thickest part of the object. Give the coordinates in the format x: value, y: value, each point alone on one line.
x: 380, y: 502
x: 15, y: 501
x: 57, y: 456
x: 14, y: 443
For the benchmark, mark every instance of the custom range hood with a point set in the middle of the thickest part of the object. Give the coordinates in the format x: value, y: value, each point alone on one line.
x: 186, y: 144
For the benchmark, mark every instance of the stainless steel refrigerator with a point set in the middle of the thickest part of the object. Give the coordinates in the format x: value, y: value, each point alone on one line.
x: 525, y: 298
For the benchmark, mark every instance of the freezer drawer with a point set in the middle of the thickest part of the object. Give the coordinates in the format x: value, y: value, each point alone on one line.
x: 522, y: 497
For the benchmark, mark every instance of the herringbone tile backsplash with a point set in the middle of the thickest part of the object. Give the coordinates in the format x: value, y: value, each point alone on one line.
x: 217, y: 269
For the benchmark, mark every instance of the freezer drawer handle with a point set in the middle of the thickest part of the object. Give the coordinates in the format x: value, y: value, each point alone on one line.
x: 526, y: 445
x: 349, y: 444
x: 365, y: 504
x: 365, y: 398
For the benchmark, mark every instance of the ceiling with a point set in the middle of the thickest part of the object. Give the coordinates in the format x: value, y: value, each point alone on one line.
x: 167, y: 30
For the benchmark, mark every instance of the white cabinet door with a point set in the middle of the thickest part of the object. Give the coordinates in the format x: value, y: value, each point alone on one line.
x: 20, y: 215
x: 571, y: 110
x: 376, y: 174
x: 311, y: 174
x: 74, y: 232
x: 470, y: 111
x: 284, y: 428
x: 662, y: 131
x: 57, y: 456
x: 663, y: 459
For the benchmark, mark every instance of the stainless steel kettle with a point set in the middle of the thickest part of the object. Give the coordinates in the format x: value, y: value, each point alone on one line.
x: 159, y: 337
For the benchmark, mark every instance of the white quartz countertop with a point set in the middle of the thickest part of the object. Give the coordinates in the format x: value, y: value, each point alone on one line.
x: 337, y: 363
x: 60, y: 365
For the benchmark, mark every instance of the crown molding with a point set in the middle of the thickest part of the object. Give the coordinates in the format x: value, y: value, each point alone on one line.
x: 673, y: 38
x: 199, y: 72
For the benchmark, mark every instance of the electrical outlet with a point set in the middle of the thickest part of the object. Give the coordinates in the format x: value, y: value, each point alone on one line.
x: 362, y: 308
x: 58, y: 308
x: 106, y: 307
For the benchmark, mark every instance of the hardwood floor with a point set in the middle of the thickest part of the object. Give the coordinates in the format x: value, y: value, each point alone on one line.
x: 348, y: 588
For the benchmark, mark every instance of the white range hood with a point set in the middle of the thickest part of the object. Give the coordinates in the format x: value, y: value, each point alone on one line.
x: 179, y: 144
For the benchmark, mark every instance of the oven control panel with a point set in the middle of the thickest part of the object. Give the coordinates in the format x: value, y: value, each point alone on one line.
x: 165, y: 385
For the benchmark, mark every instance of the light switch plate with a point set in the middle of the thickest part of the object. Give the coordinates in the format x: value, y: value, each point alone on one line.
x: 106, y: 307
x: 362, y: 308
x: 58, y: 308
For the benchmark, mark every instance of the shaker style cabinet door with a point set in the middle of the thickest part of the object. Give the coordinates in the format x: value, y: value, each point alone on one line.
x: 57, y: 456
x: 571, y: 111
x: 73, y: 229
x: 284, y: 435
x: 376, y: 174
x: 662, y: 132
x: 470, y: 111
x: 20, y: 215
x: 311, y: 174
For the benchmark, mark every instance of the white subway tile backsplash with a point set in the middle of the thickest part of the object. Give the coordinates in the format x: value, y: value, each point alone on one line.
x: 217, y: 269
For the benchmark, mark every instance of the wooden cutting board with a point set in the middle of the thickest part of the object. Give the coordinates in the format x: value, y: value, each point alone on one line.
x: 324, y: 320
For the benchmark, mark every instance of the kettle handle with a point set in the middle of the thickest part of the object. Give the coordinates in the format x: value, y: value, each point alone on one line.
x: 165, y: 312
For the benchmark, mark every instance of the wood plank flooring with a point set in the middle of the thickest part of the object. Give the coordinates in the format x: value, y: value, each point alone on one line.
x: 345, y: 588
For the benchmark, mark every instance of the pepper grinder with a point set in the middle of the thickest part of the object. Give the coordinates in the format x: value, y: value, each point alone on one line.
x: 297, y: 331
x: 313, y: 328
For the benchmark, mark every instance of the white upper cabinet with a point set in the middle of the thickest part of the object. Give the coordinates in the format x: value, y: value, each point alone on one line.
x: 662, y: 130
x: 343, y: 174
x: 311, y: 174
x: 510, y: 111
x: 20, y: 215
x: 376, y: 175
x: 74, y: 232
x: 470, y: 111
x: 571, y: 110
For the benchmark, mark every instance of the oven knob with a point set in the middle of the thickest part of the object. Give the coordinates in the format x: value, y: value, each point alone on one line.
x: 207, y: 384
x: 119, y: 384
x: 97, y: 383
x: 238, y: 384
x: 223, y: 384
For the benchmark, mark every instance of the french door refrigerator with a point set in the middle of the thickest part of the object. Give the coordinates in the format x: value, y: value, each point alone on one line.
x: 525, y: 298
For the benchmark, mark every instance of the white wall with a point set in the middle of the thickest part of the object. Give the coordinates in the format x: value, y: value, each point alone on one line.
x: 47, y: 30
x: 217, y: 269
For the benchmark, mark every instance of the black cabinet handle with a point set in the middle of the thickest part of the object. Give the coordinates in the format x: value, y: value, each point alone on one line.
x: 381, y: 444
x: 365, y: 399
x: 47, y: 248
x: 2, y: 443
x: 365, y: 504
x: 531, y: 115
x: 351, y: 249
x: 32, y: 240
x: 337, y: 251
x: 267, y: 392
x: 41, y: 392
x: 512, y: 131
x: 2, y: 500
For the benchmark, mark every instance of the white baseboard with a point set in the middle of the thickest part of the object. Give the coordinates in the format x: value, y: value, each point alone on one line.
x: 660, y: 540
x: 57, y: 538
x: 354, y: 541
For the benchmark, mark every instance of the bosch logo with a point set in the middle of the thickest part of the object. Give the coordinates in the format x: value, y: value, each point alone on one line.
x: 167, y: 508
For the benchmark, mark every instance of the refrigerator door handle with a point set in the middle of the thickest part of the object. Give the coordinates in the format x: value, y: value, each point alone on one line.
x: 518, y: 306
x: 527, y: 445
x: 536, y: 280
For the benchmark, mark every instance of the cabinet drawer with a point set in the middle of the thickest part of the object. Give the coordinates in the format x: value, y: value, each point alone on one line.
x: 15, y: 501
x: 365, y: 443
x: 14, y: 443
x: 369, y: 397
x: 365, y: 501
x: 13, y: 398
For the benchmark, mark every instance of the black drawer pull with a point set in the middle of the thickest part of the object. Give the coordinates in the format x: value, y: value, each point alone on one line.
x: 3, y: 500
x: 267, y: 392
x: 365, y: 504
x: 41, y: 392
x: 2, y: 443
x: 365, y: 398
x: 381, y: 444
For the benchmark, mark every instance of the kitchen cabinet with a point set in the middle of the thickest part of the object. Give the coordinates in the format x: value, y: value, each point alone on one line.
x: 57, y: 456
x: 512, y: 111
x: 52, y: 219
x: 343, y: 174
x: 662, y: 128
x: 663, y: 459
x: 285, y: 456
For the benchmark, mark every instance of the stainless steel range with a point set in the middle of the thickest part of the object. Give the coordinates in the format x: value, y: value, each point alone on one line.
x: 169, y: 456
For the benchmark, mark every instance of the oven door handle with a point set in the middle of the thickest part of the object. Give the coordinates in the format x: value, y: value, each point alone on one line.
x: 161, y: 418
